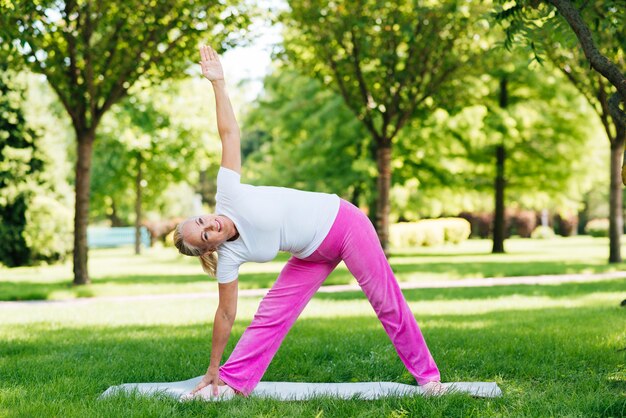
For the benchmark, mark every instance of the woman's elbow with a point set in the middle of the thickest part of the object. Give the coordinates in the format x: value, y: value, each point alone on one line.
x: 228, y: 314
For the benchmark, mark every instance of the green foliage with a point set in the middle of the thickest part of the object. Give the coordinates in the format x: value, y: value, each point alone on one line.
x: 92, y: 54
x: 553, y: 39
x: 300, y: 134
x: 34, y: 225
x: 538, y: 128
x: 537, y: 26
x: 13, y: 249
x: 456, y: 230
x: 598, y: 227
x: 146, y: 129
x: 429, y: 232
x: 543, y: 232
x: 48, y: 228
x: 385, y: 58
x: 558, y: 30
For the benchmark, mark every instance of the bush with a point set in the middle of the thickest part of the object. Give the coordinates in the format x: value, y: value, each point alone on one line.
x: 598, y: 227
x: 406, y: 234
x: 13, y: 249
x: 429, y: 232
x: 521, y: 222
x: 48, y: 229
x: 456, y: 230
x: 481, y: 223
x: 543, y: 232
x: 566, y: 224
x: 433, y: 232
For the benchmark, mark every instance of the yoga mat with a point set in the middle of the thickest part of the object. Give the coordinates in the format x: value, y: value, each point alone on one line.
x: 288, y: 391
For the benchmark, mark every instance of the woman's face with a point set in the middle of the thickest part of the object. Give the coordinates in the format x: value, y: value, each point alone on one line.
x: 206, y: 232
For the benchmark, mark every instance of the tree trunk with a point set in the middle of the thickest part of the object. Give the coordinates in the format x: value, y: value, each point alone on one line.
x: 115, y: 220
x: 383, y: 161
x: 498, y: 218
x: 81, y: 205
x: 138, y: 179
x: 616, y: 220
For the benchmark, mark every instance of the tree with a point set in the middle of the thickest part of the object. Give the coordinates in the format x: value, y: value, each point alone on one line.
x: 32, y: 217
x: 590, y: 62
x: 533, y: 146
x: 93, y: 52
x: 386, y: 59
x: 301, y: 134
x: 142, y: 148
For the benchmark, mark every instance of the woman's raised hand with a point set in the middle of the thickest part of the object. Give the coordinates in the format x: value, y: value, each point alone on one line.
x: 210, y: 63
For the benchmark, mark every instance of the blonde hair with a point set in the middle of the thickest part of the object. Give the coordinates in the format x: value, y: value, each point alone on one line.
x: 208, y: 260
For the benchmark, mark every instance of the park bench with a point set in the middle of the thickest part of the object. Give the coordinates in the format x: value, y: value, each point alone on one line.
x: 106, y: 237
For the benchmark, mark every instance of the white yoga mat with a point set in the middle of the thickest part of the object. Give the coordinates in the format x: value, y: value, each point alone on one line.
x: 288, y: 391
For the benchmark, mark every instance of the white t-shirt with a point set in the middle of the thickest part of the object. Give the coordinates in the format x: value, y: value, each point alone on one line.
x: 269, y: 219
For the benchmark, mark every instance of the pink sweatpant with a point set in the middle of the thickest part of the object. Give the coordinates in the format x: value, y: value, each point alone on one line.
x: 352, y: 238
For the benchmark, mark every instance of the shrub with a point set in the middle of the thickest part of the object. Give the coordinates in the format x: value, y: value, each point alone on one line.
x: 598, y: 227
x: 521, y: 222
x: 429, y: 232
x: 13, y: 249
x: 456, y: 230
x: 480, y: 223
x: 48, y: 229
x: 406, y: 234
x: 566, y: 224
x: 434, y: 232
x: 543, y: 232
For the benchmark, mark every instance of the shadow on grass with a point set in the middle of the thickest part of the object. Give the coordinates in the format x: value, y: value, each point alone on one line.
x: 535, y: 357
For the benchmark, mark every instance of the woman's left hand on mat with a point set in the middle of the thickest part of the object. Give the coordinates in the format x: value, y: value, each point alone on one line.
x: 210, y: 378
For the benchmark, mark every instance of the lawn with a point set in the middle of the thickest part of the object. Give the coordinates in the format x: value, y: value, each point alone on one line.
x: 554, y: 350
x: 162, y: 270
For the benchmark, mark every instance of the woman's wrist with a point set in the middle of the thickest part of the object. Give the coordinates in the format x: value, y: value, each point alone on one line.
x: 218, y: 83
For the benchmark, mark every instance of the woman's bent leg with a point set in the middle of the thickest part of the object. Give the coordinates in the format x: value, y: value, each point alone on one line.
x: 364, y: 257
x: 279, y: 309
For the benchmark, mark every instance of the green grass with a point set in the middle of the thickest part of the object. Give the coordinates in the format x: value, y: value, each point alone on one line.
x: 162, y: 270
x: 554, y: 350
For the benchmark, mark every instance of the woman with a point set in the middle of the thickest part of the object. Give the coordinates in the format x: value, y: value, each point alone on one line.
x: 318, y: 229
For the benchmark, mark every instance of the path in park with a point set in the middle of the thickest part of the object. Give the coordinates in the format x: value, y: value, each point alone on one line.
x: 483, y: 282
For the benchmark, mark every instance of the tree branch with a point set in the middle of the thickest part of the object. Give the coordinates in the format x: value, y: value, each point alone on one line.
x: 598, y: 61
x: 120, y: 91
x: 434, y: 84
x: 89, y: 76
x: 346, y: 96
x: 365, y: 94
x: 395, y: 107
x: 604, y: 115
x: 71, y: 52
x: 363, y: 90
x: 64, y: 100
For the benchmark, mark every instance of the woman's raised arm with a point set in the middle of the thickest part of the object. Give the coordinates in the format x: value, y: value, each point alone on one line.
x: 226, y: 122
